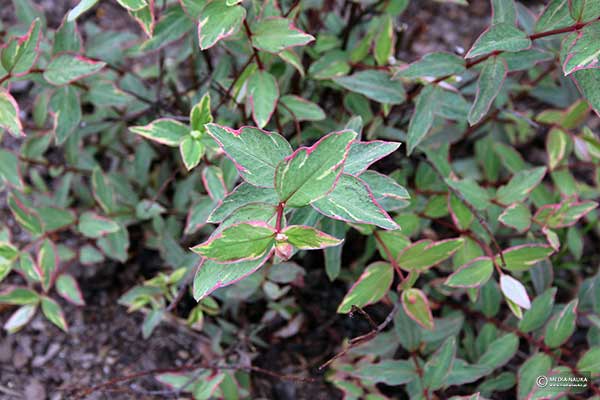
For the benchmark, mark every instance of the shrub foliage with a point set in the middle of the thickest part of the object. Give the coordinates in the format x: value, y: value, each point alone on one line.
x: 235, y: 139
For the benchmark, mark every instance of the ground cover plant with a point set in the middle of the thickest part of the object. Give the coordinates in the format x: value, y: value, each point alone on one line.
x: 281, y: 171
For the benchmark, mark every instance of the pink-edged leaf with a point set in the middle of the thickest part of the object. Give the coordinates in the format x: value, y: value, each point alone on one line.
x: 66, y: 68
x: 9, y: 114
x: 255, y: 153
x: 276, y: 34
x: 416, y: 306
x: 516, y: 216
x: 67, y: 287
x: 363, y: 154
x: 525, y: 256
x: 145, y: 18
x: 239, y: 242
x: 307, y: 237
x: 164, y: 131
x: 370, y: 287
x: 515, y: 291
x: 424, y: 254
x: 475, y: 273
x: 263, y: 96
x: 95, y: 226
x: 310, y: 173
x: 20, y: 53
x: 47, y: 263
x: 351, y: 200
x: 54, y: 313
x: 563, y: 214
x: 490, y: 82
x: 217, y: 21
x: 211, y: 275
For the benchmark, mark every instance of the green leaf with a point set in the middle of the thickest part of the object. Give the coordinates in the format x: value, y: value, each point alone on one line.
x: 256, y: 153
x: 540, y: 310
x: 473, y: 274
x: 352, y: 201
x: 330, y: 65
x: 520, y: 185
x: 434, y: 65
x: 20, y: 53
x: 212, y: 177
x: 422, y: 118
x: 516, y: 216
x: 514, y: 291
x: 9, y: 114
x: 310, y: 173
x: 164, y: 131
x: 201, y: 115
x: 67, y: 68
x: 374, y: 84
x: 437, y: 369
x: 47, y: 261
x: 212, y: 275
x: 503, y: 11
x: 54, y: 313
x: 535, y: 366
x: 556, y: 15
x: 277, y: 34
x: 67, y: 287
x: 372, y: 285
x: 424, y: 254
x: 500, y: 351
x: 19, y: 296
x: 263, y: 94
x: 588, y: 83
x: 390, y: 372
x: 198, y: 214
x: 500, y: 37
x: 489, y: 84
x: 20, y: 318
x: 590, y: 361
x: 333, y: 255
x: 302, y: 109
x: 556, y: 147
x: 102, y: 192
x: 460, y: 212
x: 67, y: 112
x: 525, y: 256
x: 192, y: 151
x: 308, y: 238
x: 560, y: 328
x: 145, y: 19
x: 95, y: 226
x: 363, y: 154
x: 10, y: 169
x: 26, y: 217
x: 526, y: 59
x: 173, y: 24
x: 416, y: 306
x: 242, y: 195
x: 241, y: 242
x: 384, y: 41
x: 582, y: 52
x: 218, y: 21
x: 386, y: 191
x: 584, y: 10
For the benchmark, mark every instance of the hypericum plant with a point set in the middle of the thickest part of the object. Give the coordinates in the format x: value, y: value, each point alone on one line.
x: 476, y: 243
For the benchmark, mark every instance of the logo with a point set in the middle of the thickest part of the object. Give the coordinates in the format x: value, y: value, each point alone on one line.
x: 542, y: 381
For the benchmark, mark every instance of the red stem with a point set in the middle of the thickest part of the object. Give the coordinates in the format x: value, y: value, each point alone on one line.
x: 280, y: 209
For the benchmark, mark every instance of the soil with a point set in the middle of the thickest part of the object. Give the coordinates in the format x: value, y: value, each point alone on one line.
x: 104, y: 341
